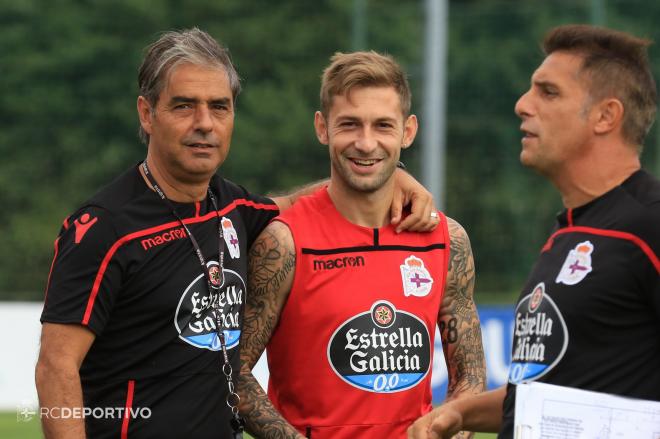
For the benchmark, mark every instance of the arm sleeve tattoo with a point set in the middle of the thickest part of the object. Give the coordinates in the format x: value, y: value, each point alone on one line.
x: 270, y: 276
x: 459, y: 322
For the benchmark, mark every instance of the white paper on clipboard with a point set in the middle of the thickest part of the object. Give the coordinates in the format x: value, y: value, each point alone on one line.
x: 545, y: 411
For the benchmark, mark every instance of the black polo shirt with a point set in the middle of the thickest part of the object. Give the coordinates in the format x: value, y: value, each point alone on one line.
x: 589, y: 314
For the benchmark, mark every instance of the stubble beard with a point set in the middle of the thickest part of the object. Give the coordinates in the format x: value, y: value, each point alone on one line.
x: 367, y: 185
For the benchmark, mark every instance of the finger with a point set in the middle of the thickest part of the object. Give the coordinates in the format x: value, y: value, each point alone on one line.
x: 420, y: 429
x: 429, y: 224
x: 396, y: 208
x: 425, y: 214
x: 445, y: 426
x: 410, y: 222
x: 423, y: 219
x: 435, y: 219
x: 426, y: 220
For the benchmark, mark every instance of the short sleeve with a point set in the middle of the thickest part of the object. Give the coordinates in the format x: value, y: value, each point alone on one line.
x: 257, y: 211
x: 650, y: 234
x: 85, y: 275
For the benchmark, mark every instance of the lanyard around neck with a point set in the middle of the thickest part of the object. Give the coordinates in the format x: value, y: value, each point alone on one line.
x: 214, y: 281
x: 232, y: 397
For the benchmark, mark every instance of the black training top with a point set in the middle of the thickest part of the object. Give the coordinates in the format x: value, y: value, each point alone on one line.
x: 124, y: 267
x: 589, y: 314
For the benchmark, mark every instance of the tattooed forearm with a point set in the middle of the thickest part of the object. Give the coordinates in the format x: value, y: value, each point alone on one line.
x: 270, y: 276
x: 459, y: 322
x: 467, y: 366
x: 448, y: 330
x: 261, y: 418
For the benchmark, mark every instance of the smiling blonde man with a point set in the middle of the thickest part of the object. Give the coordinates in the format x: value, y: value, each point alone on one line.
x: 348, y: 307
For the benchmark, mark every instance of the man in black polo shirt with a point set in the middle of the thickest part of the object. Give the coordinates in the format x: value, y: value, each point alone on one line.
x: 144, y: 302
x: 588, y: 316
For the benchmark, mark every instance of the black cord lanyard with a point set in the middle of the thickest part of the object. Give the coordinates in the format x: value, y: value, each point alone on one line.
x: 232, y: 397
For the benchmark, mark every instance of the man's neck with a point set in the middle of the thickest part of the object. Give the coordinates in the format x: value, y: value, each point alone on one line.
x: 174, y: 189
x: 592, y: 177
x: 361, y: 208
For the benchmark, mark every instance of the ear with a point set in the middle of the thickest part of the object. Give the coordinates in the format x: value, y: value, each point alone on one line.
x: 609, y: 116
x: 144, y: 113
x: 321, y: 128
x: 409, y: 131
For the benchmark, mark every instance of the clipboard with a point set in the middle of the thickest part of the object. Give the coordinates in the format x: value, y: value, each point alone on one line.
x: 546, y: 411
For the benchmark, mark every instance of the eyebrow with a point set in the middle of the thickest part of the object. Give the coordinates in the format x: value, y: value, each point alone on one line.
x: 387, y: 119
x: 355, y: 118
x: 187, y: 100
x: 544, y: 84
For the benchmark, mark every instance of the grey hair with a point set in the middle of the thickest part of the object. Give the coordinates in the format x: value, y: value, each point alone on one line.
x: 192, y: 46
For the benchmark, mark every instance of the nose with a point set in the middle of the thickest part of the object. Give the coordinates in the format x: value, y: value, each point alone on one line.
x: 367, y: 141
x: 522, y: 107
x: 203, y: 121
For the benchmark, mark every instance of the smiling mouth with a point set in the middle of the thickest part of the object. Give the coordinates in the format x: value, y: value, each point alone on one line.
x: 365, y: 162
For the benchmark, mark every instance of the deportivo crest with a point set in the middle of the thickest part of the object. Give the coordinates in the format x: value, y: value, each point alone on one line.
x: 416, y: 278
x: 197, y: 315
x: 381, y: 350
x: 231, y: 237
x: 577, y: 264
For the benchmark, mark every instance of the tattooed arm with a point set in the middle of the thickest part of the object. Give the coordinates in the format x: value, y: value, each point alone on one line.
x: 270, y: 277
x: 459, y: 322
x: 459, y: 328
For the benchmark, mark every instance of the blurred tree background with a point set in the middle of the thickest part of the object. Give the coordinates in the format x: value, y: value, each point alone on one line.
x: 68, y: 123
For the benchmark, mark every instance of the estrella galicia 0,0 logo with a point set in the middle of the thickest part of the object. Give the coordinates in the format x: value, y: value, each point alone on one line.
x: 382, y: 350
x: 199, y: 310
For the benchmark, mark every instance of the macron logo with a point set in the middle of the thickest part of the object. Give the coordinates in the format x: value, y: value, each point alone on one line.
x: 164, y: 237
x: 331, y: 264
x: 83, y: 224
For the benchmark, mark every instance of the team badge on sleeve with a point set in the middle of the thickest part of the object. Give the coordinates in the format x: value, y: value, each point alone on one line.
x: 577, y: 264
x: 231, y: 238
x: 416, y: 278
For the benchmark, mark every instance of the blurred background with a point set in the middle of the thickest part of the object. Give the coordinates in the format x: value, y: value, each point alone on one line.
x: 68, y: 123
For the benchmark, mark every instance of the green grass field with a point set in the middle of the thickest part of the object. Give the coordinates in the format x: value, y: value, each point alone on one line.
x: 13, y: 428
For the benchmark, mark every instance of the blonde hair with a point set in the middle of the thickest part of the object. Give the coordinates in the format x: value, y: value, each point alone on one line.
x: 363, y: 69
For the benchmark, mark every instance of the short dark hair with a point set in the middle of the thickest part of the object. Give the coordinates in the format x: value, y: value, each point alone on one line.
x: 192, y: 46
x: 616, y: 64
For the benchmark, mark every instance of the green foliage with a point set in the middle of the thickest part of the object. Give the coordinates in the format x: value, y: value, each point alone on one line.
x: 68, y: 122
x: 507, y: 210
